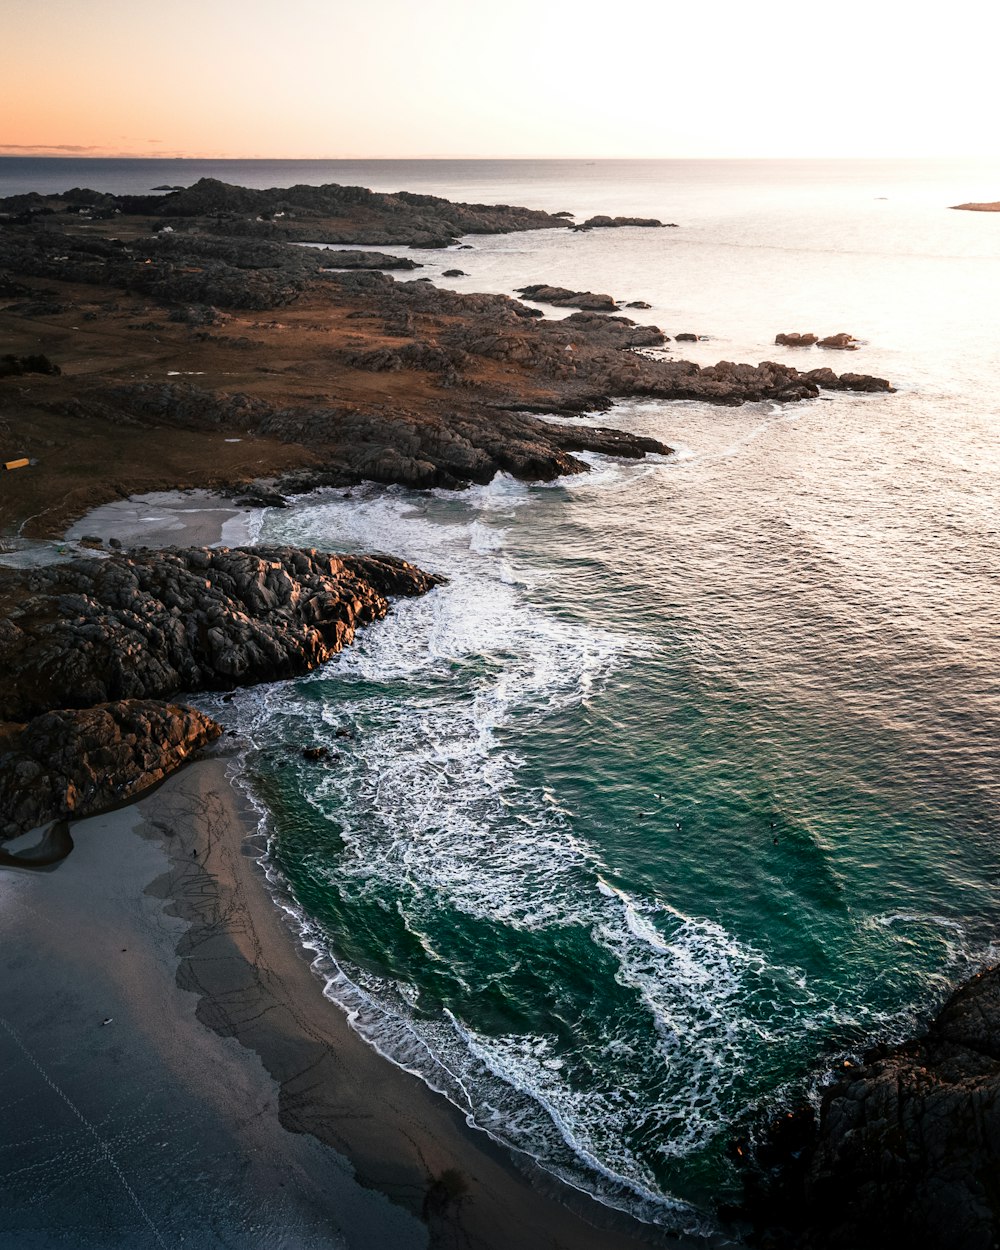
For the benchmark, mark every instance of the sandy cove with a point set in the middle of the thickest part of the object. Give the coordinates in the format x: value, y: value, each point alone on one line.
x: 224, y: 1073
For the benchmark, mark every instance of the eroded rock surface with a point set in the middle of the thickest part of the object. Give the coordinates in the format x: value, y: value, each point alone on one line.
x: 904, y: 1153
x: 76, y: 763
x: 149, y: 624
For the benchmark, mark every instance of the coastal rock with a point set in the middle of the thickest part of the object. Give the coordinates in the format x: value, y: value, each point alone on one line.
x: 796, y: 340
x: 602, y: 222
x: 17, y: 366
x: 686, y: 337
x: 76, y: 763
x: 367, y: 260
x: 454, y: 273
x: 864, y: 383
x: 152, y: 623
x: 562, y: 297
x: 904, y: 1152
x: 840, y: 342
x: 617, y: 332
x: 638, y: 303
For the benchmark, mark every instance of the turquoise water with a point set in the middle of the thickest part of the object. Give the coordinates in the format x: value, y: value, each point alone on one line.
x: 685, y: 786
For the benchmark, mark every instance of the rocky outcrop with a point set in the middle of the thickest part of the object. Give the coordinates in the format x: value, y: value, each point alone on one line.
x: 796, y: 340
x: 150, y: 624
x: 17, y: 366
x: 386, y: 445
x: 839, y: 342
x: 904, y: 1152
x: 323, y: 214
x: 367, y: 260
x: 602, y: 222
x: 991, y: 206
x: 454, y: 273
x: 76, y: 763
x: 562, y: 297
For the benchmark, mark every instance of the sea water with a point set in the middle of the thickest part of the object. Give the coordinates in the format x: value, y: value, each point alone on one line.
x: 684, y: 787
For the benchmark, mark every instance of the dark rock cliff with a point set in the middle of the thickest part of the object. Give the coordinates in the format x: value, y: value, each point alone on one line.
x: 904, y: 1151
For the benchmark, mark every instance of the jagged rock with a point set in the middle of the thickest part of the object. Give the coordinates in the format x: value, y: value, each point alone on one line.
x: 638, y: 303
x: 152, y: 623
x: 840, y: 342
x: 315, y: 753
x: 617, y: 332
x: 796, y: 340
x: 562, y: 297
x: 904, y: 1153
x: 76, y: 763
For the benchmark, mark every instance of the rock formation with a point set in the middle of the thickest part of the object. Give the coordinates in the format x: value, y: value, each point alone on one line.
x: 562, y: 297
x: 796, y: 340
x: 840, y: 342
x: 904, y: 1152
x: 602, y: 222
x: 76, y: 763
x: 150, y: 624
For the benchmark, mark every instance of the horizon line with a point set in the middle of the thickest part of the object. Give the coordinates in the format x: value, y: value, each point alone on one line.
x: 47, y: 153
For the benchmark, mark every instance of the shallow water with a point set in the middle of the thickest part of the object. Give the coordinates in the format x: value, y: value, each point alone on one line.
x: 685, y: 786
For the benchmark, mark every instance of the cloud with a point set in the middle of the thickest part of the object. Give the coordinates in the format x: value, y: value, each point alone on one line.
x: 45, y: 147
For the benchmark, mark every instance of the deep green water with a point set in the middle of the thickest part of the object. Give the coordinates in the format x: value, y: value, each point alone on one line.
x: 685, y: 787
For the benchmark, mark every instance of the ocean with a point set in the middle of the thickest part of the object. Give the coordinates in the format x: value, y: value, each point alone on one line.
x: 685, y: 787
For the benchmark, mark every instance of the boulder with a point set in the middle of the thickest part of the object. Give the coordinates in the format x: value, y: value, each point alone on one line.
x: 796, y: 340
x: 840, y: 342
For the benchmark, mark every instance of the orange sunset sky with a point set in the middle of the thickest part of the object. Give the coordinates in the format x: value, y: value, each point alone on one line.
x: 305, y: 78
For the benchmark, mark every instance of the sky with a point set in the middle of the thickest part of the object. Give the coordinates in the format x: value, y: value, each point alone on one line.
x: 466, y: 78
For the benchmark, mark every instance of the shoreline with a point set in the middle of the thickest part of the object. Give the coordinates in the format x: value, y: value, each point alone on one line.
x: 219, y: 951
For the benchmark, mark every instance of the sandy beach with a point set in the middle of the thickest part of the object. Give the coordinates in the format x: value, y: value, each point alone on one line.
x: 176, y: 1076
